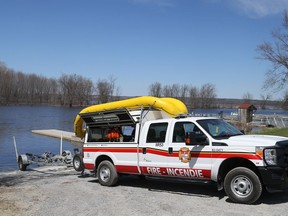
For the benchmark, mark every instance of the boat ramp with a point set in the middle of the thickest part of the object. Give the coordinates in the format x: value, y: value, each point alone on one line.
x: 60, y: 134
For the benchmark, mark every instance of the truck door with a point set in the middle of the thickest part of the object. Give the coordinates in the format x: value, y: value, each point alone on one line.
x: 154, y: 151
x: 192, y: 161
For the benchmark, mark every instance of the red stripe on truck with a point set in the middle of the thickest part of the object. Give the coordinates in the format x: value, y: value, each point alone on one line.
x: 213, y: 155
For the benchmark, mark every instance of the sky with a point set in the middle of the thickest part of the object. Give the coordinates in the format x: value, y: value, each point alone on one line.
x: 140, y: 42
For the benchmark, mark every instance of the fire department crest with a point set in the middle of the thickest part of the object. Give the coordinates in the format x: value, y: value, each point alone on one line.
x: 184, y: 155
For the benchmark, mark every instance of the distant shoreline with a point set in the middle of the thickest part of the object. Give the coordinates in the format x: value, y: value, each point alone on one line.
x: 219, y: 103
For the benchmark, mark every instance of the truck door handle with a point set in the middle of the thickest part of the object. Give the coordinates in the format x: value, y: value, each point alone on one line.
x: 170, y: 150
x: 144, y: 150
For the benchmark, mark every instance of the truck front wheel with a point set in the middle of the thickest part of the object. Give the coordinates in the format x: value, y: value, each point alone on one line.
x: 242, y: 185
x: 107, y: 174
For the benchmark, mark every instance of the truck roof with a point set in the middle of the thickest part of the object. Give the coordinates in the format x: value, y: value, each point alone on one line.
x: 182, y: 118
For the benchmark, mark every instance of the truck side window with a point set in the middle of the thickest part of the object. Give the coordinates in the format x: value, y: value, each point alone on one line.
x: 97, y: 135
x: 128, y: 133
x: 157, y: 132
x: 181, y: 128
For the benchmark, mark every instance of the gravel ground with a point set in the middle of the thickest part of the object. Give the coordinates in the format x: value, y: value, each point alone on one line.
x: 62, y: 191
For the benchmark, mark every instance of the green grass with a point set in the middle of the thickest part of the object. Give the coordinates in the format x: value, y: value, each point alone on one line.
x: 273, y: 131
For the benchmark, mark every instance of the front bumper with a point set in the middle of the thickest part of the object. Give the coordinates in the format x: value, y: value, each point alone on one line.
x: 274, y: 178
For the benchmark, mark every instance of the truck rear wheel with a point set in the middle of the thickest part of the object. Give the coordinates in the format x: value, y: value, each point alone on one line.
x: 78, y: 163
x: 242, y: 185
x: 107, y: 174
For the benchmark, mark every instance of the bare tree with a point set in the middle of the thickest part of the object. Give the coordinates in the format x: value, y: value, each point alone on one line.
x: 7, y: 84
x: 85, y: 90
x: 53, y: 91
x: 247, y: 97
x: 167, y: 91
x: 193, y: 97
x: 285, y: 101
x: 107, y: 90
x: 171, y: 91
x: 155, y: 89
x: 207, y: 95
x: 70, y: 85
x: 277, y: 54
x: 103, y: 91
x: 34, y: 88
x: 175, y: 90
x: 265, y: 98
x: 184, y: 93
x: 21, y: 90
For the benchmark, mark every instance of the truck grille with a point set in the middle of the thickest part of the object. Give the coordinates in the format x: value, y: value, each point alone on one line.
x: 282, y: 153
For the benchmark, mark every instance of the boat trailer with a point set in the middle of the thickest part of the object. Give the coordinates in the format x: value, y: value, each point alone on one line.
x: 65, y: 158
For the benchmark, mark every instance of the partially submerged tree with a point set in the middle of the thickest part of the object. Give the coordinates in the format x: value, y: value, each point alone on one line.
x: 75, y: 89
x: 107, y: 90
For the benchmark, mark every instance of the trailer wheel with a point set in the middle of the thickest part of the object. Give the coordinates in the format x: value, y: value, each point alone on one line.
x: 107, y: 174
x: 242, y: 185
x: 21, y: 165
x: 78, y: 163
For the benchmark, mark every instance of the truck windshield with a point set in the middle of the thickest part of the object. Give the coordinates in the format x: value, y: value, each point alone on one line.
x: 218, y: 128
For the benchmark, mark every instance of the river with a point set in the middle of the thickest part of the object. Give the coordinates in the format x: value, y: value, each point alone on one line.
x: 19, y: 121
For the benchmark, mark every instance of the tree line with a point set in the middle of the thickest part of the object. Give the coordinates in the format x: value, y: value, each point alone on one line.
x: 192, y: 96
x: 18, y: 88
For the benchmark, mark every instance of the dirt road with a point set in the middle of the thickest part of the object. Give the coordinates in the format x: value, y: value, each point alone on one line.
x: 62, y: 191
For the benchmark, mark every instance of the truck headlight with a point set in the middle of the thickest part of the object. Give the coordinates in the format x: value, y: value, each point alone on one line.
x: 270, y: 156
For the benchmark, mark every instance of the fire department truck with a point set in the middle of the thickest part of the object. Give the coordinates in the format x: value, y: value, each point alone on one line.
x: 150, y: 136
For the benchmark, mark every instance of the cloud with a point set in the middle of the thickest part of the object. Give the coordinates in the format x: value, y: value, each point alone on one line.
x: 260, y: 8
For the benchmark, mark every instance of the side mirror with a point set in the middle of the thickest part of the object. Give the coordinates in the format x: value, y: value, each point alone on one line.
x: 193, y: 138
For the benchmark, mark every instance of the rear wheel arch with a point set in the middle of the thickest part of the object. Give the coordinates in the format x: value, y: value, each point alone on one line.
x: 101, y: 158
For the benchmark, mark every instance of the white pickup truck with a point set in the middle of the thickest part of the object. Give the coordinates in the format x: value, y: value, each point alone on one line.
x: 148, y: 140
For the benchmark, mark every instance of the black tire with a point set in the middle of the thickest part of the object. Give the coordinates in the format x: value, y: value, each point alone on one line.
x: 242, y: 185
x: 107, y: 174
x: 21, y: 166
x: 78, y: 163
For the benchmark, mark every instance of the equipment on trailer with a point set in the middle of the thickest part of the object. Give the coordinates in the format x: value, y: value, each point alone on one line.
x: 45, y: 159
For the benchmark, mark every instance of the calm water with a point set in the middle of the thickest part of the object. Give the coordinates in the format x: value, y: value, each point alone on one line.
x: 18, y: 121
x: 229, y: 111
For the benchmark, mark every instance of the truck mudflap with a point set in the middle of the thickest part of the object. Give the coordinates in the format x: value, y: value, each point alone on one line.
x: 274, y: 178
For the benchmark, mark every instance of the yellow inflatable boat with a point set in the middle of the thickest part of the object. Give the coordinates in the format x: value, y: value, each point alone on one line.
x: 171, y: 106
